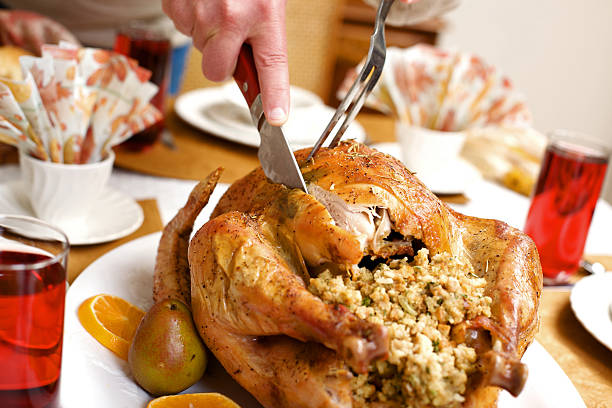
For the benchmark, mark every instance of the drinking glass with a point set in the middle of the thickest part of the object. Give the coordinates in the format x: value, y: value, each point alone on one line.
x: 33, y: 258
x: 149, y: 44
x: 562, y: 206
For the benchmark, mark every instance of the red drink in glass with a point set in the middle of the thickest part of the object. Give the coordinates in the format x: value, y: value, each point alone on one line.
x: 32, y: 293
x: 570, y: 180
x: 150, y: 46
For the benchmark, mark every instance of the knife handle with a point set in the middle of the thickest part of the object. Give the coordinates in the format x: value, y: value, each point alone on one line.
x: 246, y: 74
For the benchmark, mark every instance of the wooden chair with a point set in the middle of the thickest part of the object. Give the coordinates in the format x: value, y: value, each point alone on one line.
x: 354, y: 39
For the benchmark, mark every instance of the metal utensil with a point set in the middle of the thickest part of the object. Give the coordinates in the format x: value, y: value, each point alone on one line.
x: 167, y: 139
x: 364, y: 83
x: 277, y: 159
x: 593, y: 268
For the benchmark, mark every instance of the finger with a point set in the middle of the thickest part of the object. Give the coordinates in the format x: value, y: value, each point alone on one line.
x: 181, y: 13
x: 219, y: 31
x: 219, y: 55
x: 270, y: 53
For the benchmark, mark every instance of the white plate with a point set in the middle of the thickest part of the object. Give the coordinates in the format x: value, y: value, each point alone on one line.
x: 113, y: 216
x: 300, y: 97
x: 93, y: 376
x: 216, y: 111
x: 453, y: 178
x: 591, y: 301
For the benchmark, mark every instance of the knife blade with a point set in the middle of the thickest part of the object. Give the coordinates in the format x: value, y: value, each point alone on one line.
x: 275, y: 155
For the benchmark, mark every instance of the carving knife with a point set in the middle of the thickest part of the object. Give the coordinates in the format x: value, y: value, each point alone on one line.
x: 275, y: 156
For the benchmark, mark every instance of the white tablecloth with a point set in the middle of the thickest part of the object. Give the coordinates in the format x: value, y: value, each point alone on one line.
x: 487, y: 200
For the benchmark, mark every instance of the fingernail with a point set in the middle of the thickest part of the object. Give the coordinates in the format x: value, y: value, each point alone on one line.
x: 277, y: 116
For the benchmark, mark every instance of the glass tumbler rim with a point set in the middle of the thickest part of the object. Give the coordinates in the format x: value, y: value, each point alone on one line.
x: 65, y: 243
x: 580, y: 143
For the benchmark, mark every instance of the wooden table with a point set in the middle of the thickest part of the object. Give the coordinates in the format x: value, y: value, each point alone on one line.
x: 198, y: 153
x: 587, y: 363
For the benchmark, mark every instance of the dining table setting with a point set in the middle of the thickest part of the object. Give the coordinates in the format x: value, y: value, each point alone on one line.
x: 163, y: 245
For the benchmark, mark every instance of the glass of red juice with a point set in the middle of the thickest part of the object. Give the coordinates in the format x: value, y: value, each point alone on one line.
x: 149, y: 44
x: 569, y: 184
x: 33, y: 258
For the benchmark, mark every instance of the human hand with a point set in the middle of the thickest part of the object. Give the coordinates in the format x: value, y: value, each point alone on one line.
x: 220, y: 27
x: 29, y: 30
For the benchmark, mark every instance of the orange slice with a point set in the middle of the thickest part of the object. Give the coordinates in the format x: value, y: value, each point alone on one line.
x: 203, y: 400
x: 112, y: 321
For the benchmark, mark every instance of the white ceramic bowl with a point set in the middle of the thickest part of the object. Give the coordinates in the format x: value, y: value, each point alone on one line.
x: 428, y: 152
x: 63, y: 194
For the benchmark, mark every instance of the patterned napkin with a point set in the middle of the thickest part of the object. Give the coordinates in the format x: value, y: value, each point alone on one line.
x: 443, y: 90
x: 75, y: 103
x: 452, y: 91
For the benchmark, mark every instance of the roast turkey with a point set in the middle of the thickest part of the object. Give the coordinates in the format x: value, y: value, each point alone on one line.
x: 253, y: 264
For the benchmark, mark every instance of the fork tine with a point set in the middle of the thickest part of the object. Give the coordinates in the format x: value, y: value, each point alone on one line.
x: 363, y: 85
x: 358, y: 104
x: 352, y: 113
x: 356, y: 90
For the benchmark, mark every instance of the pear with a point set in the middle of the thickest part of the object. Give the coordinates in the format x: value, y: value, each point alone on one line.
x: 167, y: 355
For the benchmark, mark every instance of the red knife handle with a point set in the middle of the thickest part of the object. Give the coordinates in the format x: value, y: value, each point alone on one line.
x: 246, y: 74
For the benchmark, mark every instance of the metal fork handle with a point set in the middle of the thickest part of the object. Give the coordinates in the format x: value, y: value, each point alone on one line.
x: 379, y: 26
x: 365, y: 82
